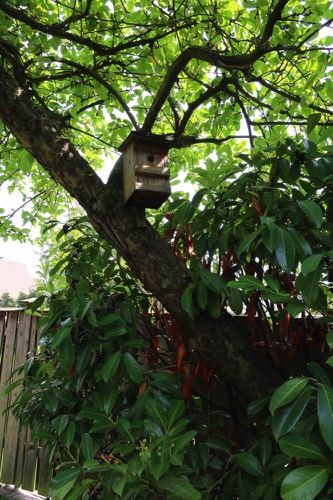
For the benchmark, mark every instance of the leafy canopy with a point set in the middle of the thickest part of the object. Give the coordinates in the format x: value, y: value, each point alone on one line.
x: 219, y: 76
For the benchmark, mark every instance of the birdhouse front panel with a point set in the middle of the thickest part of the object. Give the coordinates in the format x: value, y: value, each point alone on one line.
x: 146, y: 175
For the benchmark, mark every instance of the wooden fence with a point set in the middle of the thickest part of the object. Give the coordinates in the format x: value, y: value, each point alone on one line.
x: 21, y: 462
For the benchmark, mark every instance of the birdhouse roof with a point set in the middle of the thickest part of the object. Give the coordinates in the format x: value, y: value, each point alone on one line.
x: 162, y: 141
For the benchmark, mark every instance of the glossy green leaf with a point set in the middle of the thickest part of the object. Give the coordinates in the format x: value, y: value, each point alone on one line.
x: 175, y: 411
x: 157, y: 413
x: 88, y: 447
x: 67, y: 435
x: 329, y: 339
x: 250, y: 464
x: 247, y: 283
x: 311, y: 263
x: 313, y: 212
x: 212, y: 281
x: 111, y: 365
x: 299, y: 447
x: 310, y: 286
x: 202, y: 295
x: 264, y: 448
x: 63, y: 482
x: 60, y: 423
x: 187, y: 301
x: 285, y: 251
x: 286, y: 417
x: 319, y: 373
x: 62, y: 334
x: 271, y: 238
x: 325, y: 413
x: 133, y: 368
x: 312, y: 121
x: 214, y: 305
x: 179, y: 487
x: 248, y: 240
x: 301, y: 244
x: 295, y: 307
x: 50, y: 401
x: 257, y: 405
x: 304, y: 483
x: 110, y: 396
x: 287, y: 392
x: 181, y: 441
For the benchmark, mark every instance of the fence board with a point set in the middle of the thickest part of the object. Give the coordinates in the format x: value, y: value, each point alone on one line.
x: 22, y: 463
x: 10, y: 436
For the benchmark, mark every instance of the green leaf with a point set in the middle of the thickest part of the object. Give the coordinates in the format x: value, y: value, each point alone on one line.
x: 180, y: 487
x: 68, y: 434
x: 247, y: 283
x: 214, y: 282
x: 302, y: 246
x: 319, y: 373
x: 111, y: 365
x: 286, y: 417
x: 285, y: 251
x: 313, y: 212
x: 178, y: 427
x: 157, y: 413
x: 235, y: 300
x: 66, y: 354
x: 214, y: 304
x: 310, y: 286
x: 202, y: 295
x: 108, y: 319
x: 311, y: 263
x: 295, y: 307
x: 124, y: 428
x: 264, y: 448
x: 60, y: 423
x: 325, y: 413
x: 177, y: 407
x: 62, y: 334
x: 110, y: 396
x: 329, y: 339
x: 287, y: 392
x: 161, y: 460
x: 86, y: 309
x: 304, y: 483
x: 116, y: 331
x: 271, y: 238
x: 88, y: 447
x: 133, y: 368
x: 118, y: 485
x: 181, y: 441
x: 250, y: 464
x: 257, y: 405
x: 312, y: 121
x: 187, y: 301
x: 299, y: 447
x: 243, y: 247
x: 50, y: 401
x: 63, y: 482
x: 37, y: 303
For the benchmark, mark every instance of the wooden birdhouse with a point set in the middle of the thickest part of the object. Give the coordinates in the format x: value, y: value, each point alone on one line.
x: 146, y: 171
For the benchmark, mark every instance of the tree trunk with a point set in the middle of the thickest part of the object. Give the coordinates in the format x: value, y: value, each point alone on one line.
x: 226, y: 345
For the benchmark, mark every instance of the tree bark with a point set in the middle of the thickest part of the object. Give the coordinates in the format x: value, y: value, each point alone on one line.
x: 226, y: 345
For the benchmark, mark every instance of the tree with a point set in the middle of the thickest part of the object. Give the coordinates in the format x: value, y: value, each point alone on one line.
x: 75, y: 79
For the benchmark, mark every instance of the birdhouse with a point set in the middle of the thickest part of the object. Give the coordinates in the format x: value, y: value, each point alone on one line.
x: 146, y: 171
